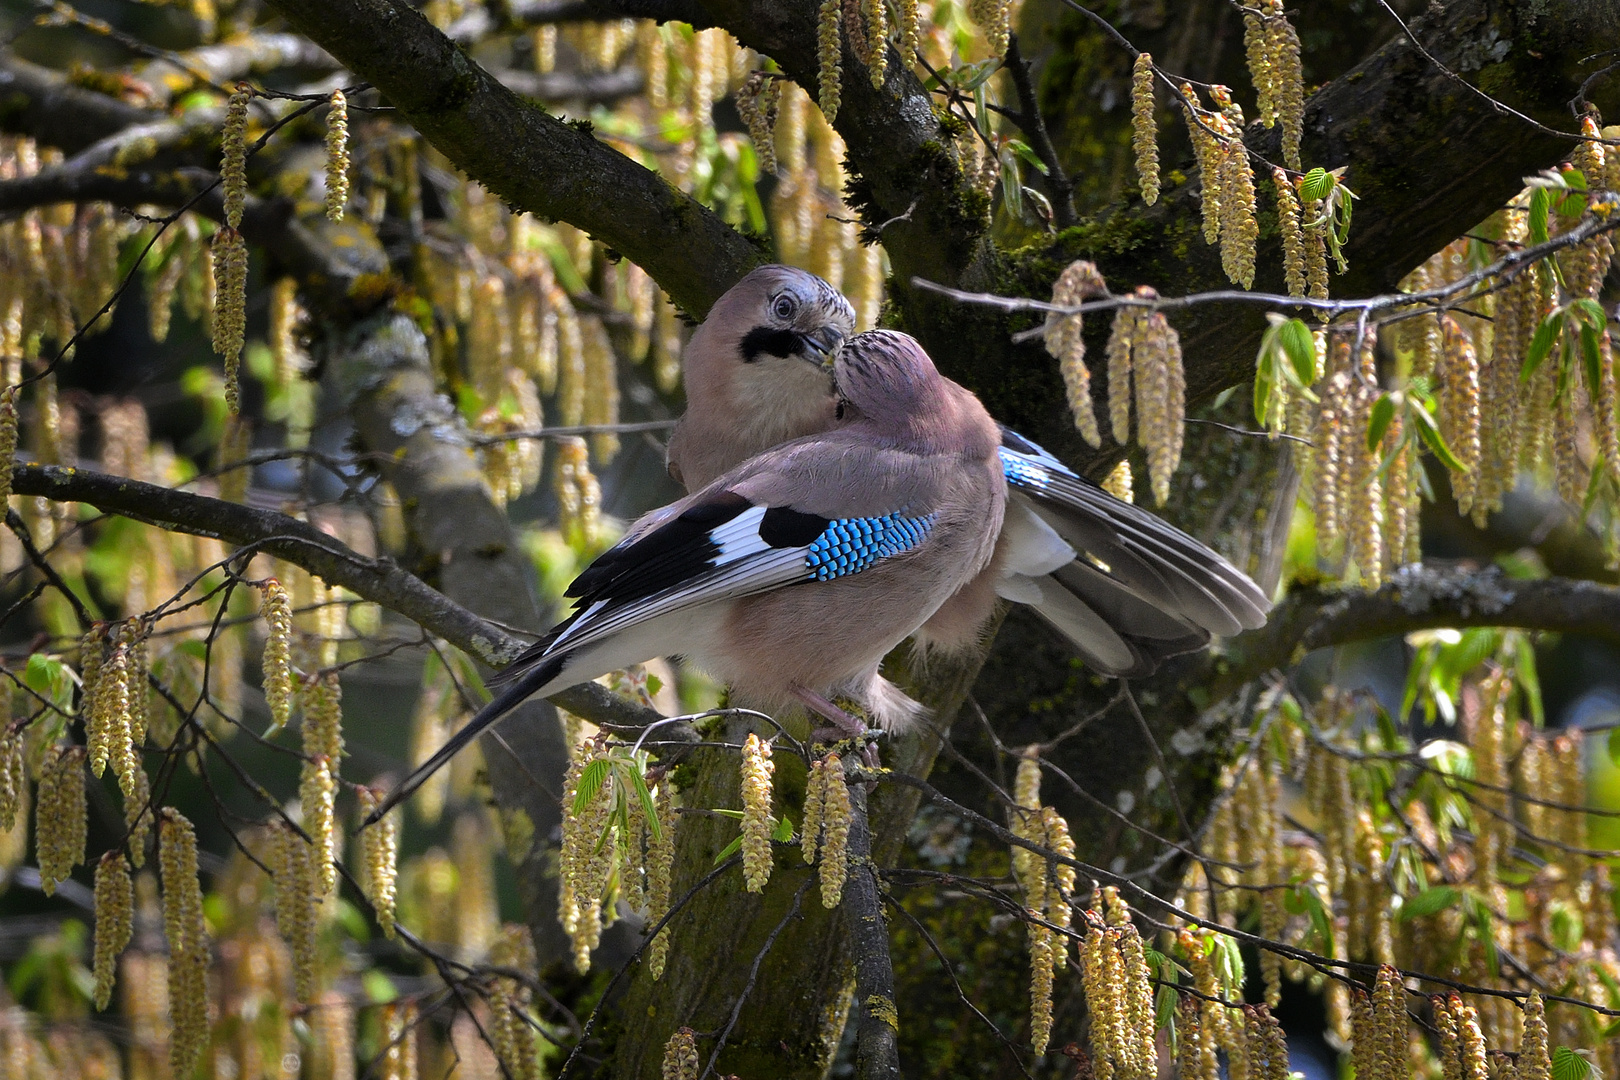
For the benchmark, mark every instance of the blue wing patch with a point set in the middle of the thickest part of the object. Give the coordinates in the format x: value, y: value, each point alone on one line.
x: 1023, y: 471
x: 853, y: 544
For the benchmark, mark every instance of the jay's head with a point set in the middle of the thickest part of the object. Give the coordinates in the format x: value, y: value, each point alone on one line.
x: 768, y: 342
x: 886, y: 377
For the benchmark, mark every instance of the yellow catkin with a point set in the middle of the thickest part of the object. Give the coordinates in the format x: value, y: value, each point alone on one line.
x: 1259, y: 61
x: 1064, y: 341
x: 8, y: 440
x: 1365, y: 486
x: 115, y: 920
x: 399, y: 1056
x: 1118, y: 482
x: 1122, y: 336
x: 874, y: 13
x: 1239, y: 227
x: 293, y: 870
x: 830, y: 56
x: 756, y: 824
x: 511, y: 1036
x: 92, y: 693
x: 994, y: 17
x: 681, y: 1056
x: 1315, y: 230
x: 1470, y: 1040
x: 583, y: 861
x: 1459, y: 414
x: 61, y: 820
x: 1190, y: 1041
x: 909, y: 15
x: 1293, y: 237
x: 188, y: 940
x: 1603, y: 409
x: 1288, y: 82
x: 1535, y: 1059
x: 835, y: 818
x: 13, y: 767
x: 815, y: 800
x: 1160, y: 397
x: 758, y: 103
x: 317, y: 789
x: 1207, y: 148
x: 1144, y: 128
x: 138, y: 816
x: 277, y: 664
x: 337, y: 155
x: 230, y: 309
x: 660, y: 865
x: 379, y: 859
x: 233, y: 156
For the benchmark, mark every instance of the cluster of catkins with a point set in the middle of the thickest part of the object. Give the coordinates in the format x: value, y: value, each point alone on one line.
x: 612, y: 848
x: 1144, y: 354
x: 1370, y: 869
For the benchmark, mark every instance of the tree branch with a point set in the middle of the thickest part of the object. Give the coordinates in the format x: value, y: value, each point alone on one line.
x: 1416, y: 598
x: 302, y: 544
x: 530, y: 159
x: 1029, y: 120
x: 38, y: 102
x: 877, y: 1057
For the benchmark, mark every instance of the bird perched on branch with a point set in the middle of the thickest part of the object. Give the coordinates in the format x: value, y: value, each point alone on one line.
x: 1126, y: 588
x: 790, y: 576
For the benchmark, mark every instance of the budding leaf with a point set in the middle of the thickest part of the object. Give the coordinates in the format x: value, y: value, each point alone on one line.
x: 591, y: 780
x: 1430, y: 434
x: 1540, y: 203
x: 1568, y: 1065
x: 1383, y: 412
x: 1316, y: 184
x: 1541, y: 344
x: 1296, y: 341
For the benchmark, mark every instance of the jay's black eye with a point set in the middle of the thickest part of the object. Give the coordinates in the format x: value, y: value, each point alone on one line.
x: 784, y: 307
x: 840, y: 411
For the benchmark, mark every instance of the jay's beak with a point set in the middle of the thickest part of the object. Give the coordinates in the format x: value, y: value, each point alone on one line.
x: 821, y: 346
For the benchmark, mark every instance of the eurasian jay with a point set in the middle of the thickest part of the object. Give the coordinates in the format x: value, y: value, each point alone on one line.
x: 792, y: 575
x: 1126, y: 588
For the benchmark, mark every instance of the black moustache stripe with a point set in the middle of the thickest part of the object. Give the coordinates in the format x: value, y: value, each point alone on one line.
x: 770, y: 341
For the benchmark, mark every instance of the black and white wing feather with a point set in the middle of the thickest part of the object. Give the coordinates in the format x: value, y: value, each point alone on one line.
x: 1139, y: 589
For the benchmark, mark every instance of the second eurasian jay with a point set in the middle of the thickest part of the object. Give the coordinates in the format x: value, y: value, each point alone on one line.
x: 790, y: 576
x: 1126, y: 588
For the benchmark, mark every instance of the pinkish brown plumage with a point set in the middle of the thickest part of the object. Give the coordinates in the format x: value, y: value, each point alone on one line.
x: 1124, y: 587
x: 792, y: 575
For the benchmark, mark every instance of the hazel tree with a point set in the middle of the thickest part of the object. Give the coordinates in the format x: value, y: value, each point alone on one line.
x: 1331, y: 292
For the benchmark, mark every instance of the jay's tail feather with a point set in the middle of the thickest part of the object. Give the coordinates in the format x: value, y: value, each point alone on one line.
x: 516, y: 690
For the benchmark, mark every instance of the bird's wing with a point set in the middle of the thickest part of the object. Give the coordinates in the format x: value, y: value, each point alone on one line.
x: 721, y: 546
x: 1150, y: 558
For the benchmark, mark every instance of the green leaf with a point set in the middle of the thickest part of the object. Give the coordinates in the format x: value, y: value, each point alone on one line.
x: 1614, y: 746
x: 638, y: 783
x: 1541, y: 343
x: 1012, y: 191
x: 1594, y: 364
x: 783, y: 830
x: 590, y: 784
x: 1430, y: 901
x: 1430, y: 434
x: 1264, y: 379
x: 1540, y: 203
x: 1299, y: 346
x: 1316, y: 184
x: 1568, y: 1065
x: 729, y: 850
x: 1027, y: 155
x: 1383, y: 413
x: 1588, y: 312
x: 1524, y: 668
